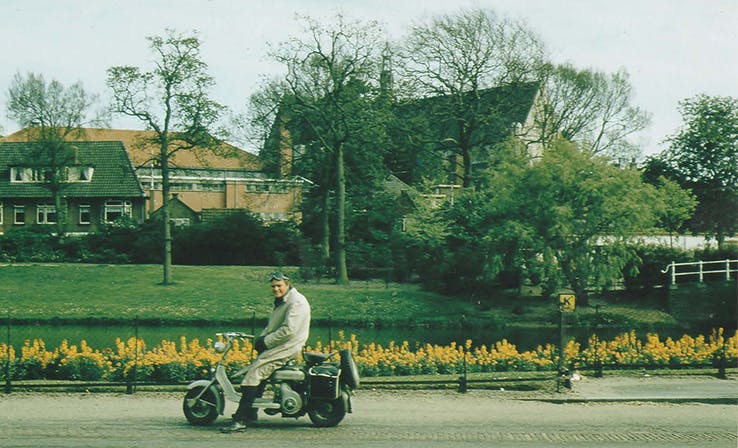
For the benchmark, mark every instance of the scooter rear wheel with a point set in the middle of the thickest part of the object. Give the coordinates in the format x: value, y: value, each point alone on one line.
x: 327, y: 413
x: 202, y: 411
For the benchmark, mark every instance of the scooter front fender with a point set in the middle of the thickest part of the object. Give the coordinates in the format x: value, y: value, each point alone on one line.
x: 219, y: 401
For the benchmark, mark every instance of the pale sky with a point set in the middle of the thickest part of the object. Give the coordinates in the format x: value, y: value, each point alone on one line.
x: 672, y: 49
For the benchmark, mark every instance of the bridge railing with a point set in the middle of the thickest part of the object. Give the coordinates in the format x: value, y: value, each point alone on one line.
x: 700, y: 268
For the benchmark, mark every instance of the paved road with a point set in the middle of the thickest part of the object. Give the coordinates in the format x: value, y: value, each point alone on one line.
x: 380, y: 419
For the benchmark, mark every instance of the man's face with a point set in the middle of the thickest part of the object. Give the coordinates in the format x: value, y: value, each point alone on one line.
x: 279, y: 288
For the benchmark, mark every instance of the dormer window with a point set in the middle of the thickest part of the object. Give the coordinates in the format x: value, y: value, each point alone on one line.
x: 22, y: 174
x: 29, y: 174
x: 85, y: 173
x: 80, y: 173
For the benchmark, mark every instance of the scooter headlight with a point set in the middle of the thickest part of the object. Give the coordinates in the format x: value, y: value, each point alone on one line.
x: 219, y: 346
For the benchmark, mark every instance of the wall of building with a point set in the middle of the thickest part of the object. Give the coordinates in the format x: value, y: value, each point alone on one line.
x: 73, y: 224
x: 273, y: 200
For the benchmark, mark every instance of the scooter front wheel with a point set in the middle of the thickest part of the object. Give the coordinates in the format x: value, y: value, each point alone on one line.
x: 327, y: 413
x: 200, y: 411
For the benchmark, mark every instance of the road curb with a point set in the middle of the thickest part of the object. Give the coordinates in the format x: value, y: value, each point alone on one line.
x: 703, y: 400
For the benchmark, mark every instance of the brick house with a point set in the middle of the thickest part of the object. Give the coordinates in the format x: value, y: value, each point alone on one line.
x: 208, y: 182
x: 101, y: 186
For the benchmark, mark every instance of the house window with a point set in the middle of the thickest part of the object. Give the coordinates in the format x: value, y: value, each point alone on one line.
x: 85, y: 173
x: 180, y: 222
x: 84, y: 214
x: 257, y: 188
x: 45, y: 214
x: 37, y: 174
x: 271, y: 217
x: 116, y: 209
x: 70, y: 174
x: 19, y: 214
x: 79, y: 173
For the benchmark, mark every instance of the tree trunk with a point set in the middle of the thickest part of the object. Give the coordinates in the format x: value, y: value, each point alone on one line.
x: 341, y: 270
x: 466, y: 159
x: 325, y: 243
x: 61, y: 215
x: 167, y: 261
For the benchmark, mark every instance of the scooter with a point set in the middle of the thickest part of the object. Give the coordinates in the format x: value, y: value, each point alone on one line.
x: 320, y: 388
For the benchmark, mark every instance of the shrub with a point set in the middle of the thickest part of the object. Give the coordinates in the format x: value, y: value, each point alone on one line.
x: 32, y: 243
x: 234, y: 239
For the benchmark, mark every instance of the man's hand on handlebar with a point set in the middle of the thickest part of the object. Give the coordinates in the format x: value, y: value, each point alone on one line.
x: 259, y: 345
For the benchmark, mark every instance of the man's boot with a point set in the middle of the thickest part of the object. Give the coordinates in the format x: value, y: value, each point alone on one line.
x: 252, y: 414
x: 245, y: 412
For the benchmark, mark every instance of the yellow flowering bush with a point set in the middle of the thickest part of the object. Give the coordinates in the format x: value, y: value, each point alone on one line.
x: 183, y: 360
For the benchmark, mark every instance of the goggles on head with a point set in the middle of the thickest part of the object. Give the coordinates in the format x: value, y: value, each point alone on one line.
x: 278, y: 276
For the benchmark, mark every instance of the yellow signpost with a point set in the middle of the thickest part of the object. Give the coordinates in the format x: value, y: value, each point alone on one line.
x: 567, y: 302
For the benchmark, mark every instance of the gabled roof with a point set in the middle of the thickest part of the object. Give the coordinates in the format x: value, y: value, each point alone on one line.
x: 141, y: 150
x: 392, y: 184
x: 502, y: 108
x: 113, y: 174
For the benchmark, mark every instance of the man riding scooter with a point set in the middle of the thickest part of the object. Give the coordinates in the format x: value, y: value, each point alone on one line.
x: 281, y: 341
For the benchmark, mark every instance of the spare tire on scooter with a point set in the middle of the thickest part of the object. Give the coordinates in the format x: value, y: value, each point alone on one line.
x: 349, y: 372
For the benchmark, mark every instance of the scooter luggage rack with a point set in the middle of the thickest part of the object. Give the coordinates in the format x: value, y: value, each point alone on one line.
x: 315, y: 358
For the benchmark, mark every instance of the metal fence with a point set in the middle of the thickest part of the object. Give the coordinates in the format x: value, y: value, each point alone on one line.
x: 509, y: 379
x: 700, y: 269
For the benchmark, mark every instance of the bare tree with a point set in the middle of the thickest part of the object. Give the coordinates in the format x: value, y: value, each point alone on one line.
x: 326, y: 101
x: 457, y: 57
x: 591, y: 108
x: 171, y: 100
x: 52, y: 115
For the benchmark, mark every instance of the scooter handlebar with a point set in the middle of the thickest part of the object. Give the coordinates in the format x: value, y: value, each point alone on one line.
x: 235, y: 334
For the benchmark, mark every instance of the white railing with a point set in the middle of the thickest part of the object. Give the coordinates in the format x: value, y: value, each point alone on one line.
x: 703, y: 267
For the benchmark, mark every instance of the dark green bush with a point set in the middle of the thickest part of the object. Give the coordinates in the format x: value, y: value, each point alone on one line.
x: 653, y: 259
x: 235, y: 239
x: 32, y: 243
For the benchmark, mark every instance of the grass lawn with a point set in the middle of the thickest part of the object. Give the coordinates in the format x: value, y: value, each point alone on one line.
x: 79, y: 292
x: 100, y: 293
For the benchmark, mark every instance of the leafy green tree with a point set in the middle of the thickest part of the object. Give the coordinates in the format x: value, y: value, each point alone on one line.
x: 53, y: 115
x: 172, y: 100
x: 703, y: 157
x: 566, y: 220
x: 327, y: 102
x: 455, y: 58
x: 675, y: 206
x: 575, y: 215
x: 423, y: 244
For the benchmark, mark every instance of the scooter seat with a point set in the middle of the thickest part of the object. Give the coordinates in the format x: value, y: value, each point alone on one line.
x: 315, y: 358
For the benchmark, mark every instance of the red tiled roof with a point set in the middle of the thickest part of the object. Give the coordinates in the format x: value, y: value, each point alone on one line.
x: 141, y: 151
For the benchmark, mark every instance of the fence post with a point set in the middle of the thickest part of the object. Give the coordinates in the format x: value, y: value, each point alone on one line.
x: 673, y: 273
x: 131, y: 386
x: 463, y: 379
x: 562, y: 352
x: 597, y: 361
x: 330, y: 333
x: 727, y: 270
x: 702, y: 276
x: 8, y: 387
